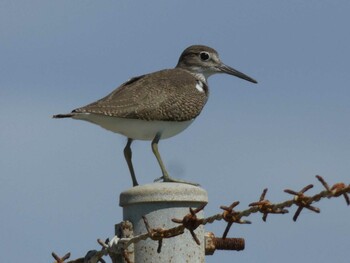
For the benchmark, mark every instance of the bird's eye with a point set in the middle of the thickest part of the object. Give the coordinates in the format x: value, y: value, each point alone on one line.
x: 204, y: 56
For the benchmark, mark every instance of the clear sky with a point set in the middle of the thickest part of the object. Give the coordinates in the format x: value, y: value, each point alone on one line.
x: 60, y: 179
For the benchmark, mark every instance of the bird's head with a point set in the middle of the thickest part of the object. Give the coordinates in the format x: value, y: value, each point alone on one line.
x: 204, y: 61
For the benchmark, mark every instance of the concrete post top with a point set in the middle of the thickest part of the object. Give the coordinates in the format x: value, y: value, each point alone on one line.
x: 163, y: 192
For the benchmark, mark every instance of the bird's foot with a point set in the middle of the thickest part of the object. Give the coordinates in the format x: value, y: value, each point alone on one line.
x: 168, y: 179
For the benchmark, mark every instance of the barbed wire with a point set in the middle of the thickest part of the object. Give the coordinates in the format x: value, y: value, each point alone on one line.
x: 118, y: 246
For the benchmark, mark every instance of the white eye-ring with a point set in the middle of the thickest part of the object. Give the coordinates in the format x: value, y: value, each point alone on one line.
x: 204, y: 56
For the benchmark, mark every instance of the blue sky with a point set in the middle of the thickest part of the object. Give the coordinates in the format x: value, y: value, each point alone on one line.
x: 60, y: 179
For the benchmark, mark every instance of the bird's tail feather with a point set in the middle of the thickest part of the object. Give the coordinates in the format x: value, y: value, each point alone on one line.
x: 60, y: 116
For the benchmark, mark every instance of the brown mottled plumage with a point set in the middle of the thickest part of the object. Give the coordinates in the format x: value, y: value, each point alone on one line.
x: 166, y: 95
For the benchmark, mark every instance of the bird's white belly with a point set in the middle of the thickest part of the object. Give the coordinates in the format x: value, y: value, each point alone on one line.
x: 135, y: 129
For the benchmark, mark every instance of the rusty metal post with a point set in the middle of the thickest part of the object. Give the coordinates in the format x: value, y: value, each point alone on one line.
x: 159, y: 203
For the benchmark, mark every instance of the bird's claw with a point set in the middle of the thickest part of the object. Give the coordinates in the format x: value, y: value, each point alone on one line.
x: 168, y: 179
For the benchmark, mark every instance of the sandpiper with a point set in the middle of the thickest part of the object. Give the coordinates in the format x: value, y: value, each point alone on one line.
x: 158, y: 105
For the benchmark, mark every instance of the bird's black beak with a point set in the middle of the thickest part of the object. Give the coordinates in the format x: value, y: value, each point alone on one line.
x: 228, y: 70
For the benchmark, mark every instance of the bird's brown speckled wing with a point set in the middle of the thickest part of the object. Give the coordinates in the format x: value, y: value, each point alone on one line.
x: 167, y: 95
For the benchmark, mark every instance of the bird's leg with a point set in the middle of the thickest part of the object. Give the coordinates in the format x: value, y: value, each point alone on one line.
x: 128, y: 155
x: 165, y: 177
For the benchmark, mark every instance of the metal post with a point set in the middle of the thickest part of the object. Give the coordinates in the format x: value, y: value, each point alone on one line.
x: 159, y: 203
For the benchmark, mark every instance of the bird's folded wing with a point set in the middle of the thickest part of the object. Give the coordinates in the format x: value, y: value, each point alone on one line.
x: 158, y: 96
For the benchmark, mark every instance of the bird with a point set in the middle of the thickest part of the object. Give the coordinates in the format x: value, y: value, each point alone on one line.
x: 158, y: 105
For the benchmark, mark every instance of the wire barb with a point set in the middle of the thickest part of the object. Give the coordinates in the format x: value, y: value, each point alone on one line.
x: 231, y: 216
x: 266, y: 207
x: 336, y: 190
x: 65, y: 257
x: 60, y: 259
x: 302, y: 201
x: 191, y: 222
x: 158, y: 234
